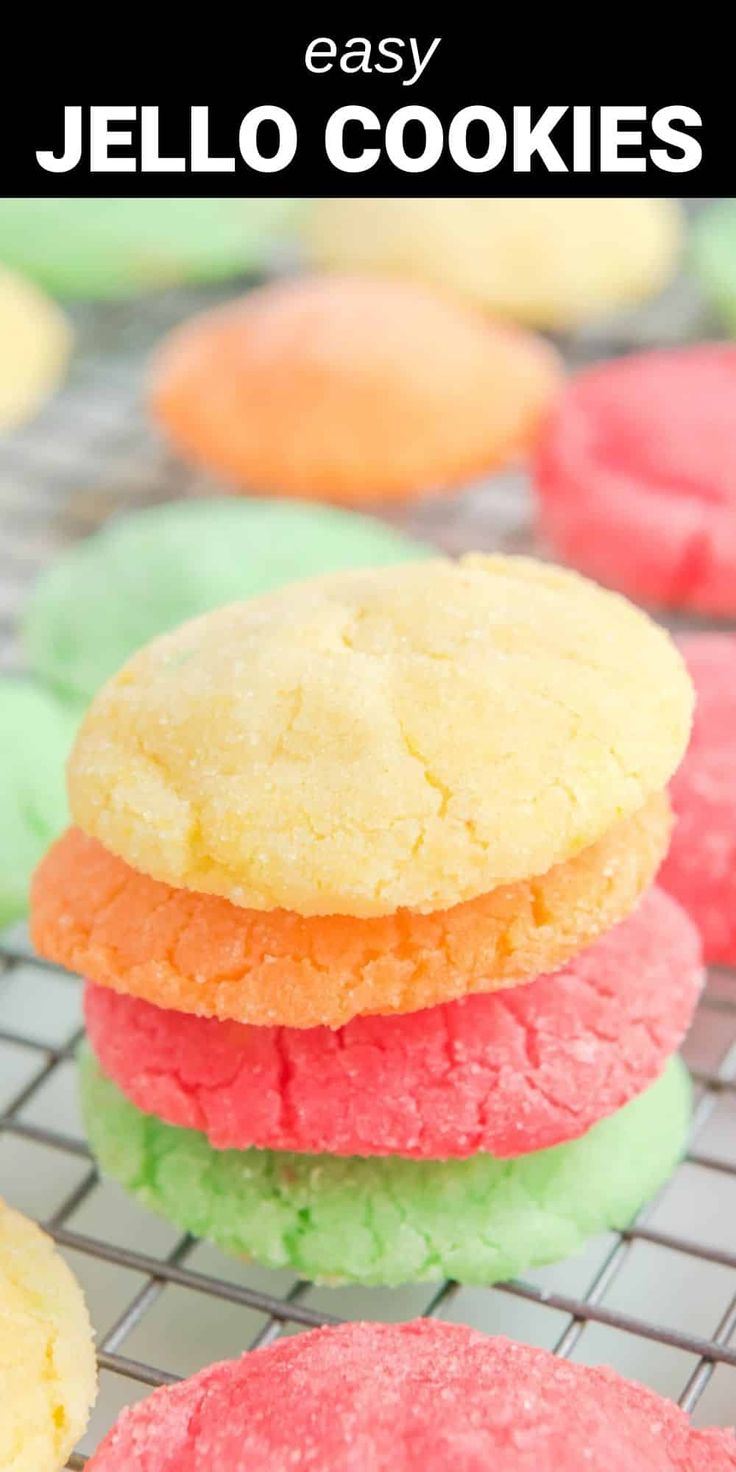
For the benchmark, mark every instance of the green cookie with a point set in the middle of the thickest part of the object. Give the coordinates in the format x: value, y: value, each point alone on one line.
x: 36, y: 732
x: 146, y: 573
x: 391, y: 1220
x: 713, y: 250
x: 117, y: 247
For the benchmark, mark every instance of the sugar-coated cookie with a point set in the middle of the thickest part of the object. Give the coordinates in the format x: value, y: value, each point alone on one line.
x: 545, y: 262
x: 388, y: 1220
x: 407, y: 737
x: 713, y: 250
x: 350, y: 389
x: 506, y: 1074
x: 201, y: 954
x: 34, y: 346
x: 36, y: 732
x: 146, y: 572
x: 47, y: 1359
x: 700, y: 868
x: 419, y: 1397
x: 117, y: 247
x: 636, y: 476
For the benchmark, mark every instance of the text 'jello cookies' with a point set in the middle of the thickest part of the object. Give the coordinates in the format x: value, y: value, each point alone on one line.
x: 410, y: 737
x: 47, y: 1360
x: 352, y: 389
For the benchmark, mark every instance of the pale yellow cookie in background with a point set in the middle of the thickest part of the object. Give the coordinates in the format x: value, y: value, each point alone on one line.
x: 550, y: 263
x: 35, y: 339
x: 48, y: 1376
x: 408, y: 737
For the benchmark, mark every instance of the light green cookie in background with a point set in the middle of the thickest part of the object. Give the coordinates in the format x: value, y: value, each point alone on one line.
x: 116, y: 247
x: 149, y: 571
x: 713, y: 252
x: 36, y: 732
x: 388, y: 1220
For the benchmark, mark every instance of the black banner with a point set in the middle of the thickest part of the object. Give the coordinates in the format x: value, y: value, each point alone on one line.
x: 314, y: 113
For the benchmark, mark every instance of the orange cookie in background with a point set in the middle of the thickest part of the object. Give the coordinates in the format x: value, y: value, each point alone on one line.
x: 350, y: 389
x: 199, y: 953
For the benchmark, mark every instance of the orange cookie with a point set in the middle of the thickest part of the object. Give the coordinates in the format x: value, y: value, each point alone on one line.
x: 350, y: 389
x: 199, y: 953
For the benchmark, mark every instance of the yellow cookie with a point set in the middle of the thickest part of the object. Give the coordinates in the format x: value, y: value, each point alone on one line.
x: 34, y: 346
x: 47, y: 1360
x: 547, y: 262
x: 369, y: 741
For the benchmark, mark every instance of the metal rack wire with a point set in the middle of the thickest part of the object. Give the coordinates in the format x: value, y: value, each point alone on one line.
x: 658, y: 1300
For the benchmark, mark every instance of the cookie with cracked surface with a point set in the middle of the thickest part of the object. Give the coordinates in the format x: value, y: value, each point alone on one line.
x: 47, y: 1359
x: 386, y: 389
x: 388, y: 1220
x: 640, y: 453
x: 521, y: 1070
x: 370, y: 741
x: 35, y: 339
x: 365, y: 1397
x: 201, y: 954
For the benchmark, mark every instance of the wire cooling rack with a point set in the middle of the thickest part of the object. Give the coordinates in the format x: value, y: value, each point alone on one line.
x: 658, y: 1301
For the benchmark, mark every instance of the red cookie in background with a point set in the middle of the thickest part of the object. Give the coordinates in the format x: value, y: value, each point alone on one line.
x: 636, y: 477
x: 507, y: 1073
x: 700, y: 869
x: 418, y: 1397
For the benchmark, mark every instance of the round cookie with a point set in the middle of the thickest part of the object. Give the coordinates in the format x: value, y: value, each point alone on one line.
x: 117, y: 247
x: 34, y: 347
x: 147, y: 572
x: 713, y: 251
x: 350, y: 389
x: 545, y: 262
x: 388, y: 1220
x: 700, y: 869
x: 502, y: 1405
x: 403, y: 738
x: 36, y: 733
x: 47, y: 1359
x: 636, y: 477
x: 504, y: 1074
x: 201, y: 954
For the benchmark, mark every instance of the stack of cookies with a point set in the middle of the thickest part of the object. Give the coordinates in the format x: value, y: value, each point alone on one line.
x: 378, y: 987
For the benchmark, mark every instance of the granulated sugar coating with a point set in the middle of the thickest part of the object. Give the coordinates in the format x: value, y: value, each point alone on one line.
x: 388, y: 1220
x: 416, y: 1397
x: 636, y: 477
x: 409, y: 737
x: 510, y: 1073
x: 199, y: 953
x: 47, y: 1359
x: 351, y: 389
x: 700, y: 869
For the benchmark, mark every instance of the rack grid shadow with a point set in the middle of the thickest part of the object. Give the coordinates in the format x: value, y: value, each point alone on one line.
x: 657, y: 1301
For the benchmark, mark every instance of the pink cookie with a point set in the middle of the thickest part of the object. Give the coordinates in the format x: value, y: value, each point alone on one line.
x: 507, y: 1073
x: 636, y: 476
x: 700, y: 869
x: 418, y: 1397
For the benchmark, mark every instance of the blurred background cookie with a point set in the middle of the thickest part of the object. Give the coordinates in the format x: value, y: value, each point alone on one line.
x: 35, y: 340
x: 546, y: 262
x: 117, y: 247
x: 36, y: 733
x: 350, y: 389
